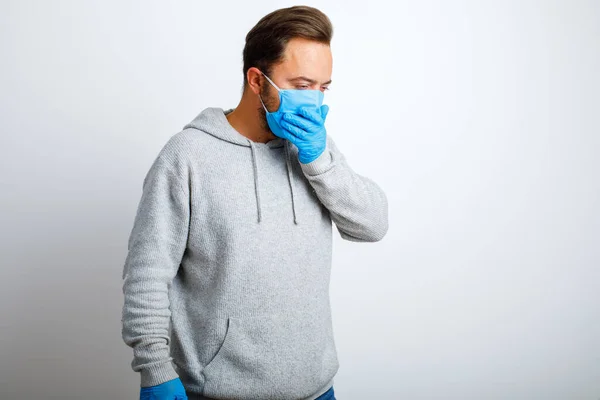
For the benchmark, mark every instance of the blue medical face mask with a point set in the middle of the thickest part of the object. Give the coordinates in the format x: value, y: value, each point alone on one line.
x: 291, y: 100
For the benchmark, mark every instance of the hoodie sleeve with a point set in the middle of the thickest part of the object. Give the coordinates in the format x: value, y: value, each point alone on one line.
x: 358, y: 206
x: 155, y: 248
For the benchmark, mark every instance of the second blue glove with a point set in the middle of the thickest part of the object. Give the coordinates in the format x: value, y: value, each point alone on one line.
x: 170, y: 390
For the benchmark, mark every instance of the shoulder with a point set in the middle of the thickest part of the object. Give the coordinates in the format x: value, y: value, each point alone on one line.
x: 175, y: 157
x: 181, y: 144
x: 180, y: 149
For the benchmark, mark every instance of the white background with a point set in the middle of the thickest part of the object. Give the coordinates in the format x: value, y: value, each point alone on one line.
x: 479, y: 119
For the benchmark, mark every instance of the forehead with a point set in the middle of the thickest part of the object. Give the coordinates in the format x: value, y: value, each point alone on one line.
x: 307, y: 58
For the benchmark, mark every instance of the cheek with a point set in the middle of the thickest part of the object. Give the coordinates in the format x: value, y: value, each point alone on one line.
x: 273, y: 100
x: 276, y: 100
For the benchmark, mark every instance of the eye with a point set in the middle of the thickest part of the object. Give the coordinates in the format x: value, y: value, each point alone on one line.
x: 325, y: 88
x: 303, y: 87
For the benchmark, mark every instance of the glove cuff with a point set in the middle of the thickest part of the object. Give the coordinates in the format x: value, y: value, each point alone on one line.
x: 319, y: 164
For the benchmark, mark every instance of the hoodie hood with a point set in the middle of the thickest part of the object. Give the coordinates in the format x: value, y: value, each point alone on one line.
x: 213, y: 121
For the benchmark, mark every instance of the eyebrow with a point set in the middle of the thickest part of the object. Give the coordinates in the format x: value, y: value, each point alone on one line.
x: 307, y: 79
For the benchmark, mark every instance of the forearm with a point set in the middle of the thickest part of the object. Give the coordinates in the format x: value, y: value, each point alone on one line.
x: 358, y: 206
x: 155, y: 249
x: 146, y: 315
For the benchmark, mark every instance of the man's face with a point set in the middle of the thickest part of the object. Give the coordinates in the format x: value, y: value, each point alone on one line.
x: 306, y: 65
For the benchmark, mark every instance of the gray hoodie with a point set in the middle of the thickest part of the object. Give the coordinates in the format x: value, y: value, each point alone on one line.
x: 226, y: 280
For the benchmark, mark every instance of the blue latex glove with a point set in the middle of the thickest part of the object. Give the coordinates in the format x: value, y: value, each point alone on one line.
x: 170, y: 390
x: 306, y: 130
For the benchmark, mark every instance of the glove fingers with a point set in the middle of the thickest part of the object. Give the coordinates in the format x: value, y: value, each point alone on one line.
x: 299, y: 121
x: 324, y: 111
x: 285, y: 134
x: 312, y: 115
x: 296, y: 133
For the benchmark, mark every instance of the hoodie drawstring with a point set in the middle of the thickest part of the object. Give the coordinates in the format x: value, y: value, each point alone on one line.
x: 290, y: 178
x: 256, y: 191
x: 256, y: 183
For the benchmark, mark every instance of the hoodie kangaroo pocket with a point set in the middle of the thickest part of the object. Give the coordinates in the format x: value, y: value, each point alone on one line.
x: 272, y: 357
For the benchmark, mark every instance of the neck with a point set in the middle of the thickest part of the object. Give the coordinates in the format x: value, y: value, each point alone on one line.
x: 245, y: 119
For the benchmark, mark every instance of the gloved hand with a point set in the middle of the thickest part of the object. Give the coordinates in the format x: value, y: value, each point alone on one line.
x: 170, y: 390
x: 307, y: 131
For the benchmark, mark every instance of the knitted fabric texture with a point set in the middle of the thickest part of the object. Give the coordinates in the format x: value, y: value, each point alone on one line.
x: 226, y: 280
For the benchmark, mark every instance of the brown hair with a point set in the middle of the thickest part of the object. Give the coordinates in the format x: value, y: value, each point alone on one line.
x: 266, y: 41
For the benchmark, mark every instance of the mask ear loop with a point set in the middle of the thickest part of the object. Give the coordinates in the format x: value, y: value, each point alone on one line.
x: 272, y: 83
x: 263, y: 104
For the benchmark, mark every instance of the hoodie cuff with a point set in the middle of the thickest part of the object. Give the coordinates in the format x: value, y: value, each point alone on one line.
x: 319, y: 164
x: 157, y: 374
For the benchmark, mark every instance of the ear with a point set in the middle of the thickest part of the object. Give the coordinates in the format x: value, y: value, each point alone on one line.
x: 254, y: 78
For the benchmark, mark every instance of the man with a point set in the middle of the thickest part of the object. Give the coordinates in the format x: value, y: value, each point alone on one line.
x: 226, y: 281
